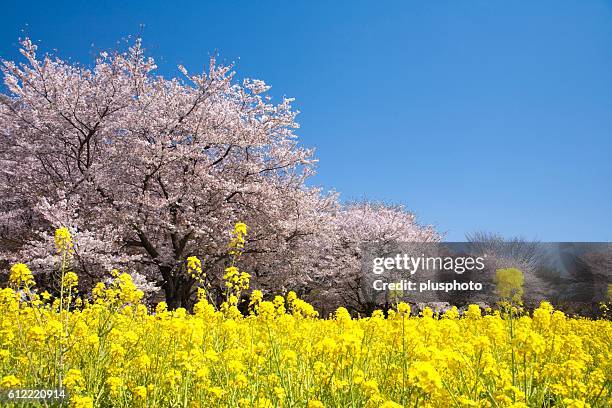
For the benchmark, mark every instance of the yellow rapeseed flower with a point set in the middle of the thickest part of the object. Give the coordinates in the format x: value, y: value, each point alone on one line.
x: 21, y: 275
x: 70, y: 280
x: 63, y: 241
x: 115, y: 351
x: 10, y: 381
x: 78, y: 401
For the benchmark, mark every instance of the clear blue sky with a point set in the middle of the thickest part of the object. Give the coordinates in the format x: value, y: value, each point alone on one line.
x: 477, y: 115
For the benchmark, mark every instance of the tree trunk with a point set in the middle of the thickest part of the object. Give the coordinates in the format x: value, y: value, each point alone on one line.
x: 178, y: 291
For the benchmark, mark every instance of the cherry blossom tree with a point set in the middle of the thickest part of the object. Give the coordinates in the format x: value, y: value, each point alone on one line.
x: 146, y: 171
x: 360, y: 226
